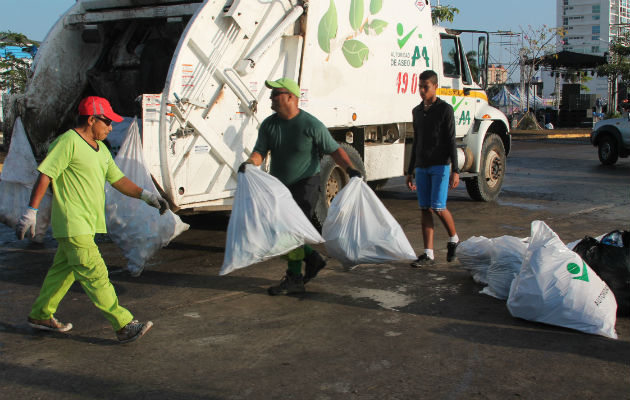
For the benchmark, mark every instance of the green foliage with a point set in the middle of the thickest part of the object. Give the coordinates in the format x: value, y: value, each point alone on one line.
x: 618, y: 64
x: 355, y: 51
x: 356, y: 14
x: 13, y: 70
x: 327, y: 28
x: 375, y: 6
x: 443, y: 13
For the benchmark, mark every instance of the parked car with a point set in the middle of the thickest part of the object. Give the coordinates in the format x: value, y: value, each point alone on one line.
x: 612, y: 139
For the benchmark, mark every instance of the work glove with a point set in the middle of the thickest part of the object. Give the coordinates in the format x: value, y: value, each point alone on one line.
x: 241, y: 168
x: 353, y: 172
x: 154, y: 200
x: 26, y: 223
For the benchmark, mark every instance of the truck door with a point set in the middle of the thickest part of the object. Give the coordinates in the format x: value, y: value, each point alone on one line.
x: 455, y: 78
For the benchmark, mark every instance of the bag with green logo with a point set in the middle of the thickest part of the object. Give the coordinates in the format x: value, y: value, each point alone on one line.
x: 555, y: 286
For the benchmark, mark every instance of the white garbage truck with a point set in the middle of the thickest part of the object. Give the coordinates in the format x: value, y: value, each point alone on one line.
x: 193, y: 73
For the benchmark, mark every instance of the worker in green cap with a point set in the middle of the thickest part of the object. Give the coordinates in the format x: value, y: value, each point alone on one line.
x: 296, y: 139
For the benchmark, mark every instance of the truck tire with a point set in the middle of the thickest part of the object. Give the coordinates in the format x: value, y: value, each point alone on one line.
x: 333, y: 179
x: 487, y: 185
x: 607, y: 150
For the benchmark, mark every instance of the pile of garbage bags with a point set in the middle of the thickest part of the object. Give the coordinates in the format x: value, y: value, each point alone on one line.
x: 18, y: 177
x: 544, y: 280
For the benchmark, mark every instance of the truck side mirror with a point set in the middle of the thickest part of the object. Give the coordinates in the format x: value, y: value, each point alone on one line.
x: 482, y: 61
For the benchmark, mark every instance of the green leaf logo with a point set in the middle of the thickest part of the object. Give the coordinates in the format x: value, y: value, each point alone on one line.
x: 377, y: 26
x: 356, y: 14
x: 355, y: 52
x: 327, y: 28
x: 375, y: 6
x: 575, y: 269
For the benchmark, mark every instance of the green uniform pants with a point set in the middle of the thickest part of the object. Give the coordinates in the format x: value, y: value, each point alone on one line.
x: 78, y: 258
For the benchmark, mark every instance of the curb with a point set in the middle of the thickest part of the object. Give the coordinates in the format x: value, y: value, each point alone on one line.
x: 552, y: 136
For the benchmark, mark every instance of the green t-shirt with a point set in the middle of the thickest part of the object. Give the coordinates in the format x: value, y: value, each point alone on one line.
x: 295, y: 145
x: 78, y: 174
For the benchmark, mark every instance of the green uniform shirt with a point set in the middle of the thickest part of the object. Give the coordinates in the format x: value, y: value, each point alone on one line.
x: 296, y: 145
x: 78, y: 174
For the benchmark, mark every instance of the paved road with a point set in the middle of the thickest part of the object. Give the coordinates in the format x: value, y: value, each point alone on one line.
x: 371, y: 332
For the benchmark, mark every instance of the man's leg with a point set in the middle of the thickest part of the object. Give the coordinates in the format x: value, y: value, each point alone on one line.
x: 423, y: 190
x: 90, y: 270
x: 56, y: 284
x: 441, y: 176
x: 427, y: 229
x: 293, y: 281
x: 306, y: 194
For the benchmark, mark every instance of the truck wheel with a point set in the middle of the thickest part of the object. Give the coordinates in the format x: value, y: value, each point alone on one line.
x: 607, y: 150
x: 487, y: 185
x: 333, y: 179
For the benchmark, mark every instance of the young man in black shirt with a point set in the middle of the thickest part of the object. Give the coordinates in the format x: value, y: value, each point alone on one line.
x: 434, y: 163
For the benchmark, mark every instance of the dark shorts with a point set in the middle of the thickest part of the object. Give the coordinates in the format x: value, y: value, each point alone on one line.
x: 306, y: 193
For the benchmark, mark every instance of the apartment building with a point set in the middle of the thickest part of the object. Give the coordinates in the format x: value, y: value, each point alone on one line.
x: 590, y: 26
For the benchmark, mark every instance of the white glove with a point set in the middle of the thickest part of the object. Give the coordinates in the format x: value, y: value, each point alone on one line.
x: 26, y: 222
x: 154, y: 200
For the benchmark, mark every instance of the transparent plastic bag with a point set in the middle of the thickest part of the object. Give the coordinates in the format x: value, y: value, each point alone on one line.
x: 359, y: 229
x: 506, y: 259
x: 18, y: 176
x: 557, y: 287
x: 265, y: 222
x: 137, y: 228
x: 475, y: 255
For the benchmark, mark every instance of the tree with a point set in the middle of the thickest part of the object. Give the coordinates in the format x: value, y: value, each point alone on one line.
x: 535, y: 43
x: 14, y: 70
x: 443, y: 13
x: 618, y: 65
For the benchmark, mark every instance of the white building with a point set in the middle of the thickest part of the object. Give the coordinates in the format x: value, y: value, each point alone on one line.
x: 590, y: 26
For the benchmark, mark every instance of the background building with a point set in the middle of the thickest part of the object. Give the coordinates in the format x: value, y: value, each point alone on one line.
x: 590, y: 26
x: 497, y: 74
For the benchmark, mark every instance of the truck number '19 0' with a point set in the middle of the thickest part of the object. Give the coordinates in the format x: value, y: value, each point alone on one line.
x: 402, y: 83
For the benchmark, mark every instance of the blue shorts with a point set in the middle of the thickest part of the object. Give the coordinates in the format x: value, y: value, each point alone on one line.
x: 432, y: 186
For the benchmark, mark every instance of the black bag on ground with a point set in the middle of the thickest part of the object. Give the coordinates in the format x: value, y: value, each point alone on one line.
x: 612, y: 264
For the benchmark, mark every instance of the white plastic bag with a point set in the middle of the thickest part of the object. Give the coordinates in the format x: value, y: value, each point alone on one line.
x: 557, y: 287
x: 506, y: 259
x: 359, y: 229
x: 265, y: 222
x: 475, y: 254
x: 137, y: 228
x: 19, y: 174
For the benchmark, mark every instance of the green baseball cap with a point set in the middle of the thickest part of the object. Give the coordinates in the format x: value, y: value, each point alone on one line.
x: 285, y: 83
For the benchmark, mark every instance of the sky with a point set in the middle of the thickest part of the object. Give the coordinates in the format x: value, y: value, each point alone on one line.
x: 35, y: 17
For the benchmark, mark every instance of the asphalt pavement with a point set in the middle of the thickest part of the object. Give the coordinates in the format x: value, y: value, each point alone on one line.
x: 382, y: 331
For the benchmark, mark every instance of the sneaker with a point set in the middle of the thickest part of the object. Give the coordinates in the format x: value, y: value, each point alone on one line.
x: 422, y: 261
x: 288, y: 285
x: 52, y: 324
x: 133, y: 330
x: 451, y: 248
x: 314, y: 263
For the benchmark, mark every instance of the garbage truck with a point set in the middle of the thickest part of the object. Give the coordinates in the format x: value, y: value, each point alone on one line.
x: 193, y: 73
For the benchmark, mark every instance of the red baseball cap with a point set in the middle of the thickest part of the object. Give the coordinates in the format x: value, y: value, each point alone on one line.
x: 94, y: 105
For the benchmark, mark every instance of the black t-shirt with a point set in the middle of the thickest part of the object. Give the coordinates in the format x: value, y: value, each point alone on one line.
x: 433, y: 136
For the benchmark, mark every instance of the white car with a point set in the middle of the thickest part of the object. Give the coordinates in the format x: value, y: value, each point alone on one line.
x: 612, y: 138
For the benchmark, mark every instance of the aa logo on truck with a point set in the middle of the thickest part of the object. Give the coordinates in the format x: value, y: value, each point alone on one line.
x: 354, y: 50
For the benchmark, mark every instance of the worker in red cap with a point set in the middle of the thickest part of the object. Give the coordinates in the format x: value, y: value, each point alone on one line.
x: 77, y: 166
